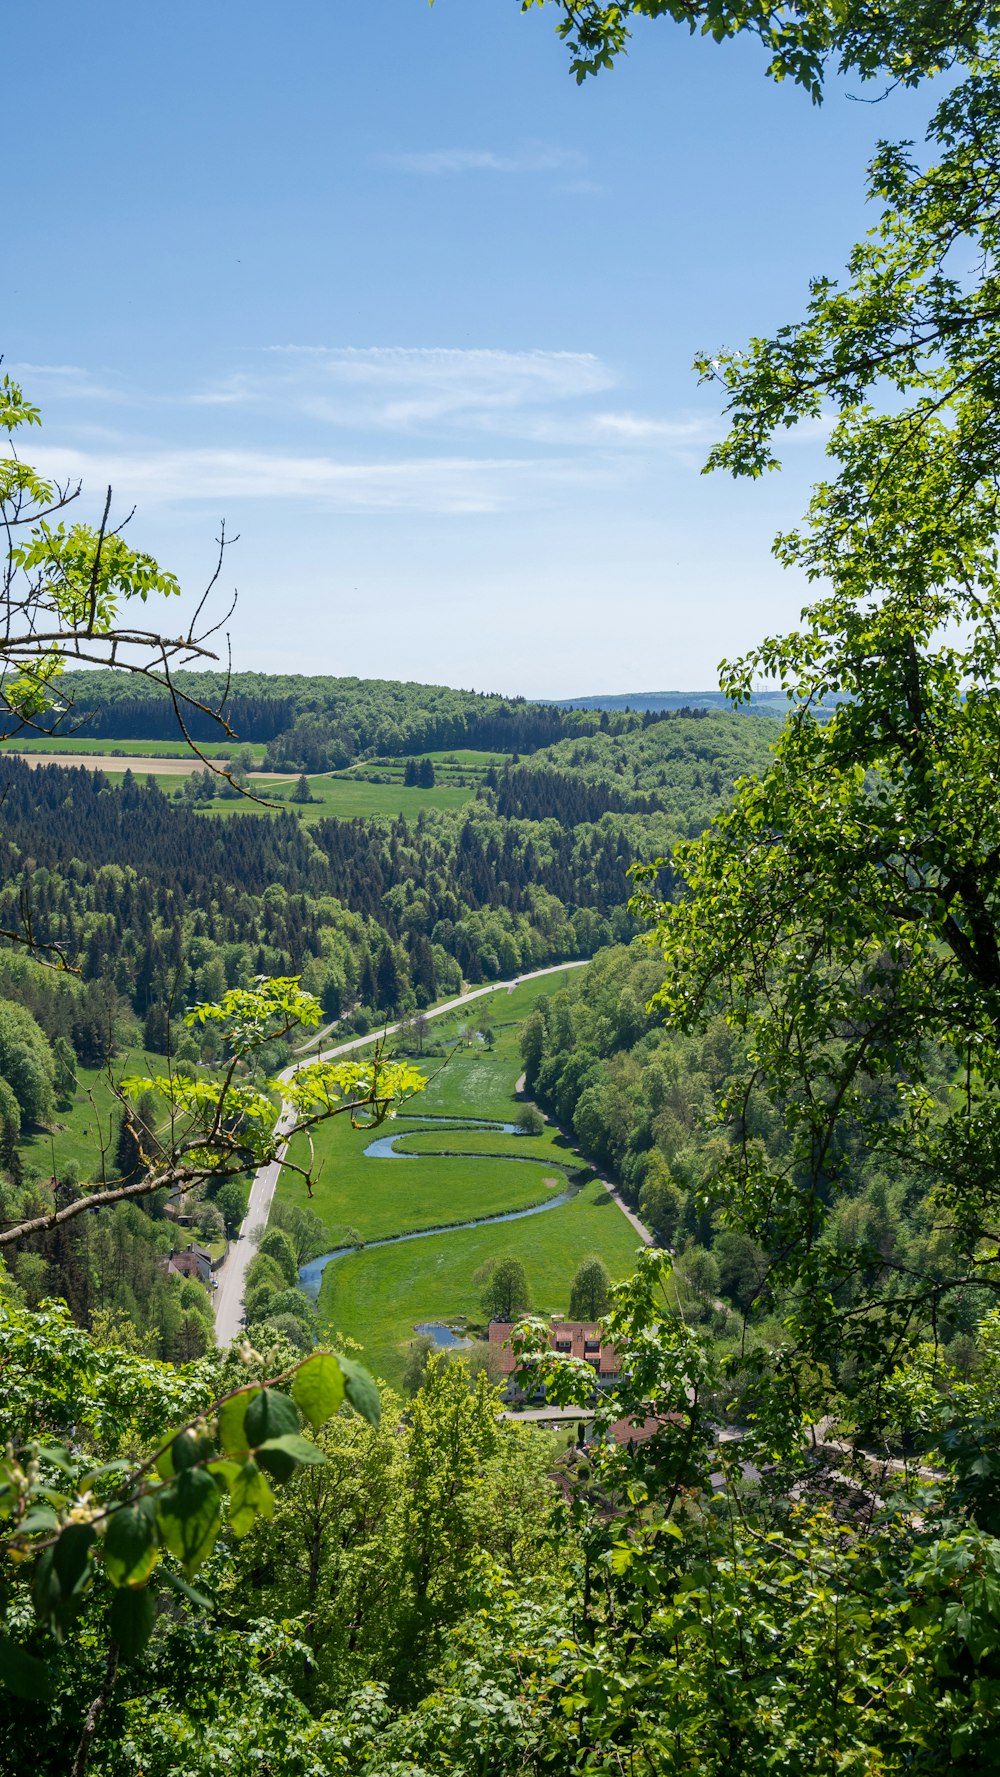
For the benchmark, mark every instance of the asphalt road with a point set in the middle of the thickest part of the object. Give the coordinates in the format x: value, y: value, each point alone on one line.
x: 231, y: 1276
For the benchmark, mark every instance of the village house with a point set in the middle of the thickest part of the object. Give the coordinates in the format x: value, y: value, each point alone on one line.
x: 194, y: 1261
x: 573, y: 1338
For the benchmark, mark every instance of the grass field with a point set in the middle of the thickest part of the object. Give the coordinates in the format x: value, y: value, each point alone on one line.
x: 377, y: 1296
x: 344, y: 798
x: 77, y: 1134
x: 151, y: 749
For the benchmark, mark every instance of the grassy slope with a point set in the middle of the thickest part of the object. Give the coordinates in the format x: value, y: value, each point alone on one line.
x: 377, y: 1297
x: 343, y: 798
x: 77, y: 1134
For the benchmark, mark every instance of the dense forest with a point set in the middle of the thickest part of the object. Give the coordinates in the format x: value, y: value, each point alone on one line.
x: 313, y: 724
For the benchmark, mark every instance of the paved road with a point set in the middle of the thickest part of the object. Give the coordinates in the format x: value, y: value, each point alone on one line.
x: 232, y: 1274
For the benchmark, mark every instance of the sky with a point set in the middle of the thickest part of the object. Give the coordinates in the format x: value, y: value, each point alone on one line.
x: 383, y: 289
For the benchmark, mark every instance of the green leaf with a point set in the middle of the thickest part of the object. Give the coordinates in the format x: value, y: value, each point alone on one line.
x: 176, y: 1584
x: 22, y: 1674
x: 131, y: 1543
x: 318, y: 1388
x: 281, y: 1456
x: 250, y: 1498
x: 187, y: 1514
x: 270, y: 1415
x: 69, y: 1557
x: 361, y: 1391
x: 183, y: 1451
x: 38, y: 1519
x: 132, y: 1614
x: 232, y: 1416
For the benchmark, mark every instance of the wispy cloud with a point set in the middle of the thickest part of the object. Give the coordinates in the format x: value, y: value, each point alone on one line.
x: 531, y: 157
x: 448, y: 485
x: 62, y: 379
x: 404, y: 389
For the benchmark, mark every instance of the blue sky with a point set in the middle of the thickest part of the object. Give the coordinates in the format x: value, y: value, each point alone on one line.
x: 384, y: 288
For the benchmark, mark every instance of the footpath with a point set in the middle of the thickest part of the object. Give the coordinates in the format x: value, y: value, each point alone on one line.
x: 231, y: 1275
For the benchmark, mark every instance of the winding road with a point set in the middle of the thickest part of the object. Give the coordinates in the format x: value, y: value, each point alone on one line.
x: 231, y: 1276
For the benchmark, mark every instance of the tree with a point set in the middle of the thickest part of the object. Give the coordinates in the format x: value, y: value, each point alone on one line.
x: 219, y: 1127
x: 505, y: 1294
x: 661, y: 1203
x: 10, y: 1123
x: 590, y: 1296
x: 26, y: 1062
x: 65, y: 1072
x: 239, y: 1444
x: 231, y: 1202
x: 277, y: 1245
x: 906, y: 40
x: 67, y: 594
x: 845, y: 913
x: 301, y: 791
x: 530, y: 1120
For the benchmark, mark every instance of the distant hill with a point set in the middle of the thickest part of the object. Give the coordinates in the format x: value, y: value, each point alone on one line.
x: 763, y: 703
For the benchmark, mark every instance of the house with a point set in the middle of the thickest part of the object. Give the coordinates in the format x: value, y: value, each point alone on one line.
x: 194, y: 1261
x: 573, y: 1338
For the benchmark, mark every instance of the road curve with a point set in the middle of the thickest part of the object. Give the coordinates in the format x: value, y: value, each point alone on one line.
x: 231, y: 1275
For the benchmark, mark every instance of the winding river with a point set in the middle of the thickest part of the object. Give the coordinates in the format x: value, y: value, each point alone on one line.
x: 384, y: 1148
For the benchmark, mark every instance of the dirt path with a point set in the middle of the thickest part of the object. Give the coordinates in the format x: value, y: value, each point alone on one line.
x: 232, y: 1273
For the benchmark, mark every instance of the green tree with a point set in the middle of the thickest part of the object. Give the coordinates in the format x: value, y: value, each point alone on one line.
x: 590, y: 1296
x: 906, y: 40
x: 10, y: 1123
x: 301, y: 791
x: 26, y: 1062
x: 65, y: 1072
x: 231, y: 1202
x: 69, y: 592
x: 864, y: 861
x: 505, y: 1294
x: 661, y: 1202
x: 277, y: 1245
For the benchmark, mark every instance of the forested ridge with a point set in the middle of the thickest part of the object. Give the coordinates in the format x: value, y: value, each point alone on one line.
x: 343, y: 717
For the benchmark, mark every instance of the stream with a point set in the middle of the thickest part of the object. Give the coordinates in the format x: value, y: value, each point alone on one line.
x: 384, y: 1148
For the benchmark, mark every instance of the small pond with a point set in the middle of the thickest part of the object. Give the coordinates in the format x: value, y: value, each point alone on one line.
x: 444, y: 1336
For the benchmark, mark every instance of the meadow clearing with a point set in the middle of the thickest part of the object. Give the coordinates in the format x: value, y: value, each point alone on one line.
x: 443, y: 1175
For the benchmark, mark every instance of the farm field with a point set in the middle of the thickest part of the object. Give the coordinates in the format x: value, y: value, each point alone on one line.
x: 442, y: 1174
x: 345, y: 799
x: 110, y: 749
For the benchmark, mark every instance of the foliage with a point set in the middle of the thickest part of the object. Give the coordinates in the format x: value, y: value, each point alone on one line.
x: 68, y: 592
x: 844, y: 912
x: 219, y: 1125
x: 590, y: 1295
x: 26, y: 1062
x: 505, y: 1294
x: 906, y: 40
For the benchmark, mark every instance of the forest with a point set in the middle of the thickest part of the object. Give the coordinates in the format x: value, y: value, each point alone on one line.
x: 768, y: 1540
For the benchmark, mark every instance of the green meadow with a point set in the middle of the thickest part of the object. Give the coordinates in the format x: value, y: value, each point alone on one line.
x: 343, y: 798
x: 378, y: 1297
x: 441, y: 1175
x: 90, y: 1124
x: 129, y: 749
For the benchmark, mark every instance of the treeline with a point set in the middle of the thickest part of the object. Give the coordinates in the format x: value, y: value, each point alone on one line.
x: 161, y: 903
x: 319, y: 723
x: 641, y: 1100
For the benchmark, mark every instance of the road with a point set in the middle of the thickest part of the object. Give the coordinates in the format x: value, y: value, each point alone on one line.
x: 231, y: 1275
